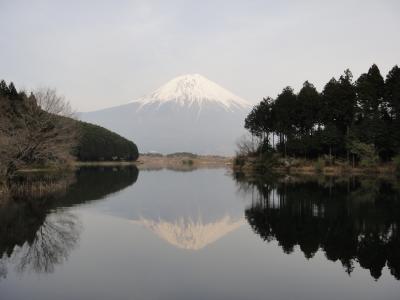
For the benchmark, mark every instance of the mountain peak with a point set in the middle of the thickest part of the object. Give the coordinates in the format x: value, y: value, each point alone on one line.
x: 194, y: 90
x: 188, y: 234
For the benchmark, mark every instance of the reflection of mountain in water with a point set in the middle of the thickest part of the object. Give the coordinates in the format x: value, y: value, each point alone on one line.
x: 351, y: 220
x: 188, y: 210
x: 190, y: 234
x: 38, y: 232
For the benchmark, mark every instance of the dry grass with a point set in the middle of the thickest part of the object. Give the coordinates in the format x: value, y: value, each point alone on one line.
x: 182, y: 162
x: 158, y: 162
x: 315, y: 167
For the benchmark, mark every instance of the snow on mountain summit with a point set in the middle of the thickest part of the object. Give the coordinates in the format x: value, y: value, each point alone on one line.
x: 193, y: 90
x: 188, y: 114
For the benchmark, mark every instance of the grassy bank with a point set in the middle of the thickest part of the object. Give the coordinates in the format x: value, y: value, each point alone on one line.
x: 280, y: 165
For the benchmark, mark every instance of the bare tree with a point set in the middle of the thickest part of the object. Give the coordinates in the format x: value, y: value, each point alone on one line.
x: 38, y: 129
x: 49, y: 101
x: 247, y: 145
x: 52, y: 244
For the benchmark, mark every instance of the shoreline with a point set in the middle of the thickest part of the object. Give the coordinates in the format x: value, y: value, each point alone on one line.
x: 308, y: 167
x: 249, y: 168
x: 157, y: 162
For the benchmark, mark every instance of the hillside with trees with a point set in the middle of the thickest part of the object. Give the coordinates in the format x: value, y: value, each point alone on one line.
x: 99, y: 144
x: 40, y: 130
x: 355, y: 121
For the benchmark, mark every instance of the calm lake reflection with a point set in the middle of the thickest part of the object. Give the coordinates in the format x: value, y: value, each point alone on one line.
x: 112, y: 233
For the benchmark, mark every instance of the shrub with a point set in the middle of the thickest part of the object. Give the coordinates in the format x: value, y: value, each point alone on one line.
x: 396, y: 161
x: 188, y: 162
x: 266, y: 162
x: 319, y: 165
x: 366, y: 153
x: 239, y: 161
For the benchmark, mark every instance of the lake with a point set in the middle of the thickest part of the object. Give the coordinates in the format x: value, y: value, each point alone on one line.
x: 120, y: 233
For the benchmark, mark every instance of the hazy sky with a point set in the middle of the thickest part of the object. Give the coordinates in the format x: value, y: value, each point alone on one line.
x: 105, y: 53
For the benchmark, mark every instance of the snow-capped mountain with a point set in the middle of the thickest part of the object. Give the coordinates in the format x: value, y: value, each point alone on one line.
x: 189, y: 113
x: 193, y: 90
x: 191, y: 234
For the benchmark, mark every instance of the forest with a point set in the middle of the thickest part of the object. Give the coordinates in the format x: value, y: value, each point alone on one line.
x: 41, y: 129
x: 354, y: 120
x: 99, y: 144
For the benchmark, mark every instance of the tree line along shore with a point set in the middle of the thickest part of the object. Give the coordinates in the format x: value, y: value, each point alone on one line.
x: 40, y: 130
x: 352, y: 125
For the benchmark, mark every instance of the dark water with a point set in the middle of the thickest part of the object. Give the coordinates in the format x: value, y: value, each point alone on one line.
x: 205, y: 234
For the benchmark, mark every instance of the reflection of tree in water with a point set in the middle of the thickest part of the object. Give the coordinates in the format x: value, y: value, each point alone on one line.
x: 37, y: 231
x: 52, y: 244
x: 351, y: 220
x: 3, y: 269
x: 44, y: 248
x: 32, y: 237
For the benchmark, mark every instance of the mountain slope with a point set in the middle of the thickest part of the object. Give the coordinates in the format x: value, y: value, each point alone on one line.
x: 193, y: 90
x: 189, y: 113
x: 191, y: 234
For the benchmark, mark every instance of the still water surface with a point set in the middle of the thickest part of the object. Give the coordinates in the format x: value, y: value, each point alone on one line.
x: 204, y: 234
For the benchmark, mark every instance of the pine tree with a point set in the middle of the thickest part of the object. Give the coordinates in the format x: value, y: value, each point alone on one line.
x: 370, y: 90
x: 392, y: 98
x: 4, y: 91
x: 13, y: 94
x: 308, y: 107
x: 392, y: 92
x: 339, y: 102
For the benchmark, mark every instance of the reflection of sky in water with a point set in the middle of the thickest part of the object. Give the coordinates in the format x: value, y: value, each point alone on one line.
x: 172, y: 196
x: 182, y: 208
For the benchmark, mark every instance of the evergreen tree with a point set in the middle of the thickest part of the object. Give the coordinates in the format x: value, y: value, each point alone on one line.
x: 370, y: 89
x: 285, y: 108
x: 309, y: 105
x: 4, y: 91
x: 339, y: 101
x: 13, y: 94
x: 392, y: 92
x: 345, y: 114
x: 392, y: 98
x: 372, y: 128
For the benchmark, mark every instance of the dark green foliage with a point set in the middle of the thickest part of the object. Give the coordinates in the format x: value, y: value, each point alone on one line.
x: 392, y: 92
x: 285, y: 107
x: 99, y: 144
x: 12, y: 91
x: 370, y: 89
x: 339, y: 99
x: 312, y: 124
x: 4, y: 91
x: 309, y: 107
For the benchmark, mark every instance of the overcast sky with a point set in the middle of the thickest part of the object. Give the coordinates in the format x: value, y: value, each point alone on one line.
x: 104, y: 53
